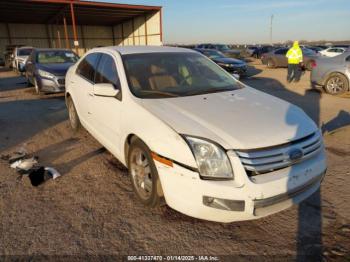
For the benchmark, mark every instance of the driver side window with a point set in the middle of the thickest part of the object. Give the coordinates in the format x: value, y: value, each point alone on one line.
x: 107, y: 72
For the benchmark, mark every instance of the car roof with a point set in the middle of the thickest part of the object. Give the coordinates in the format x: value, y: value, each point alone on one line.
x: 126, y: 50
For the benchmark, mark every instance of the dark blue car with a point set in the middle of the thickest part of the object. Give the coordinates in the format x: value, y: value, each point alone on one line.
x: 46, y: 69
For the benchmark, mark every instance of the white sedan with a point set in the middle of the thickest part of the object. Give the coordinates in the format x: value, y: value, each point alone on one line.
x: 333, y: 51
x: 194, y: 137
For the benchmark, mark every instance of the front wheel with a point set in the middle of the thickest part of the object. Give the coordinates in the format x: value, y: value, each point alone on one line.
x: 73, y: 116
x: 336, y: 84
x: 144, y: 174
x: 36, y: 87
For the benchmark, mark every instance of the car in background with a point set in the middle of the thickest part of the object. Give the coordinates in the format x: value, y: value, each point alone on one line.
x: 9, y: 54
x: 261, y: 50
x: 332, y: 74
x: 315, y: 48
x: 333, y: 51
x: 208, y: 146
x: 225, y: 49
x: 277, y: 58
x: 19, y: 57
x: 231, y: 65
x: 251, y: 50
x: 46, y: 69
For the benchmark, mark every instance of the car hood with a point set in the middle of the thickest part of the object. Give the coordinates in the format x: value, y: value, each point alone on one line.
x: 240, y: 119
x: 59, y: 69
x: 228, y: 60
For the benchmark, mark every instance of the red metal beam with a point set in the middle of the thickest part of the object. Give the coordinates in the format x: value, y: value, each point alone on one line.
x: 66, y: 32
x: 161, y: 25
x: 99, y: 4
x: 76, y: 43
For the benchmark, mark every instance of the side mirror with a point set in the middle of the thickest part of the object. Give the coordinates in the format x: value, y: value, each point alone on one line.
x: 105, y: 89
x: 236, y: 76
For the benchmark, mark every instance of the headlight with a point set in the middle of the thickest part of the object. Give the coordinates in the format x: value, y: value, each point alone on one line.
x: 45, y: 74
x: 211, y: 159
x: 225, y: 65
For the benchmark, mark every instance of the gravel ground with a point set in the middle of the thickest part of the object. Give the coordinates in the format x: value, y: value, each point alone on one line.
x: 91, y: 209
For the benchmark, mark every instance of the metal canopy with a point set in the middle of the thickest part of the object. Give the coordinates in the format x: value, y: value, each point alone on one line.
x: 86, y: 13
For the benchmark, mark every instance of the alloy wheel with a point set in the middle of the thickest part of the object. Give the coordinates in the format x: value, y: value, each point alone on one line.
x: 335, y: 85
x: 141, y: 173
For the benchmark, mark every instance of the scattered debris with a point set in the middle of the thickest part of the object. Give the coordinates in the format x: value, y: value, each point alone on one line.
x: 42, y: 174
x: 28, y: 165
x: 24, y: 165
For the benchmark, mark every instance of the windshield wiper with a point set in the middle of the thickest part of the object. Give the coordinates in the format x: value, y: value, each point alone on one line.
x: 158, y: 92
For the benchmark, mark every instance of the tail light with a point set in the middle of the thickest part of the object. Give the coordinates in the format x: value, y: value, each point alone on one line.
x: 313, y: 64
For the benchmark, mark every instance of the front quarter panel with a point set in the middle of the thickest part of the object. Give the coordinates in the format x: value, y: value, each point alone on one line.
x: 158, y: 136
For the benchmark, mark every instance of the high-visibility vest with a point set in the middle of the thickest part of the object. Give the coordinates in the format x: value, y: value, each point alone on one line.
x: 294, y: 55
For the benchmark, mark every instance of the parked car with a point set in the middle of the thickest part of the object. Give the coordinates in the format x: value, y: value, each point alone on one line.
x: 8, y: 55
x: 19, y: 57
x: 231, y: 65
x: 251, y: 50
x: 192, y: 135
x: 333, y: 51
x: 277, y: 58
x: 332, y: 74
x: 263, y: 50
x: 225, y: 49
x: 46, y: 69
x: 316, y: 49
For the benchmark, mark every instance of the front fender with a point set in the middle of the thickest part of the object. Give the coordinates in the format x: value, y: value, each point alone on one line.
x: 157, y: 135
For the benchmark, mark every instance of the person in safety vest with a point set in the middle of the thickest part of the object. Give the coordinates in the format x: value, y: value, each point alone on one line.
x: 295, y: 59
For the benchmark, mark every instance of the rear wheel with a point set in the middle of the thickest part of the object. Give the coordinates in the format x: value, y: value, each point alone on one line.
x: 73, y: 116
x: 144, y: 174
x: 337, y: 84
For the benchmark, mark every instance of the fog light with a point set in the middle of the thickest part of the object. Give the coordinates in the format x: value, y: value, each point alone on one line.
x: 224, y: 204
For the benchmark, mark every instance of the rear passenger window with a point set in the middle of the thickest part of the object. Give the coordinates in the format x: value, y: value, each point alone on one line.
x: 87, y: 67
x: 107, y: 71
x: 281, y: 51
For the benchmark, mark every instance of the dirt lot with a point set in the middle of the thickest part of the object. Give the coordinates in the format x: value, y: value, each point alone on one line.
x: 91, y: 209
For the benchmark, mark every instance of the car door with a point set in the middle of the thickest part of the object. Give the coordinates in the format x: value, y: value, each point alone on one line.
x: 280, y: 56
x: 81, y: 86
x: 106, y: 111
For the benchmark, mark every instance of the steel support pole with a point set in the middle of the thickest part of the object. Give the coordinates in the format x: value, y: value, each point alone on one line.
x: 146, y: 35
x: 66, y: 32
x: 76, y: 43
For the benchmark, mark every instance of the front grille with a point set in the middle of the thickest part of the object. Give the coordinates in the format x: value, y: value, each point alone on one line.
x: 261, y: 161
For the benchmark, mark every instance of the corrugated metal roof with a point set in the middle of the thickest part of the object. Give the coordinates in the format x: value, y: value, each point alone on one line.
x: 86, y: 12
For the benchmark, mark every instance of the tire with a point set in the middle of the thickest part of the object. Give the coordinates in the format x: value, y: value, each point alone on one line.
x: 271, y: 63
x: 144, y: 175
x: 36, y: 87
x: 29, y: 84
x: 336, y: 84
x: 73, y: 116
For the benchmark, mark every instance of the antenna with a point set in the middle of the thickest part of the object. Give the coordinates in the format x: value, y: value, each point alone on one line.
x: 271, y: 29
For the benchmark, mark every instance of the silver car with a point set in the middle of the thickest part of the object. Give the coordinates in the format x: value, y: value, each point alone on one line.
x: 333, y: 74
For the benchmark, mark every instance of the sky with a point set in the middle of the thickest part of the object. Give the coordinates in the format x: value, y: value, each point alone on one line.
x: 248, y: 21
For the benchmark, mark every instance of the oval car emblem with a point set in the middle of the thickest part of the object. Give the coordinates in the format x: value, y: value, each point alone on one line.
x: 295, y: 154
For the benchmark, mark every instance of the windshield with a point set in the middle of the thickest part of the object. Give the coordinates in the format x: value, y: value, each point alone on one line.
x: 223, y: 47
x: 157, y: 75
x: 24, y: 52
x: 307, y: 51
x: 56, y: 57
x: 213, y: 54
